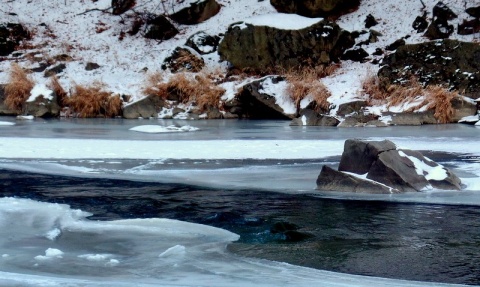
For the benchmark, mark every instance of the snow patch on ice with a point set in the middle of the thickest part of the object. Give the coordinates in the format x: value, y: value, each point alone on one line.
x: 53, y: 234
x: 6, y: 124
x: 163, y: 129
x: 50, y: 253
x: 175, y: 251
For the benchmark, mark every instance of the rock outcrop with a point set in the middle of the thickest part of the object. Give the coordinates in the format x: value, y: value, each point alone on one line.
x: 451, y: 63
x: 197, y: 12
x: 391, y: 170
x: 43, y: 105
x: 148, y: 107
x: 253, y: 45
x: 11, y: 35
x: 316, y: 8
x: 255, y: 102
x: 203, y: 43
x: 159, y: 28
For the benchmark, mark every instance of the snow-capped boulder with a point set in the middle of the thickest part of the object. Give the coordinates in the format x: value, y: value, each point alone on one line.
x: 11, y: 34
x: 42, y: 102
x: 380, y: 161
x: 196, y: 12
x: 148, y: 107
x: 203, y: 43
x: 160, y: 28
x: 183, y: 60
x: 283, y: 40
x: 264, y: 99
x: 316, y: 8
x: 447, y: 62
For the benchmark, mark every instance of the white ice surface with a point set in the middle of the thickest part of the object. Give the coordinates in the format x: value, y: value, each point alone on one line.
x: 162, y: 129
x: 6, y: 123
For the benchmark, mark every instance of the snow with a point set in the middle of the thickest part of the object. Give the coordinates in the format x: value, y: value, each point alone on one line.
x: 53, y: 234
x: 50, y: 253
x: 40, y: 90
x: 279, y: 92
x: 162, y: 129
x: 175, y: 251
x: 280, y: 21
x: 436, y: 172
x: 469, y: 119
x: 6, y: 123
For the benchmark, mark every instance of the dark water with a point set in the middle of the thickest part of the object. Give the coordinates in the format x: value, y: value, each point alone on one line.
x: 407, y: 241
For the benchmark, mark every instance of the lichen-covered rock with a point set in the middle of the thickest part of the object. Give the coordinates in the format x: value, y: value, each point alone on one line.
x: 451, y: 63
x: 148, y: 107
x: 251, y: 44
x: 316, y: 8
x: 203, y: 43
x: 183, y: 60
x: 197, y: 12
x: 159, y: 28
x: 11, y: 35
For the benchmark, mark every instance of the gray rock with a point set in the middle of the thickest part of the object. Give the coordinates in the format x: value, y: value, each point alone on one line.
x: 262, y: 47
x: 311, y: 118
x: 43, y: 106
x: 148, y: 107
x: 197, y: 12
x: 351, y: 107
x: 203, y: 43
x: 159, y: 28
x: 55, y: 70
x: 332, y: 180
x: 316, y: 8
x: 412, y: 119
x: 254, y: 103
x: 358, y: 156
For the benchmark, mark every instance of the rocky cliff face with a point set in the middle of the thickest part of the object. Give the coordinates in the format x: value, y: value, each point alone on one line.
x: 261, y: 47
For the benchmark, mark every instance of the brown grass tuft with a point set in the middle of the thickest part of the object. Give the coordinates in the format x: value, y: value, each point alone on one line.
x: 18, y: 88
x: 93, y: 101
x: 436, y: 97
x: 305, y: 83
x: 186, y: 88
x: 62, y: 96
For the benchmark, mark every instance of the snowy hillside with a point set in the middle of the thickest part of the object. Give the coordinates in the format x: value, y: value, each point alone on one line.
x: 88, y: 33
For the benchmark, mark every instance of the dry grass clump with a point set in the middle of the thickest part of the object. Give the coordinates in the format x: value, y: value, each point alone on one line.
x: 18, y: 88
x: 186, y: 88
x: 93, y: 101
x: 305, y: 83
x: 62, y: 96
x: 436, y: 97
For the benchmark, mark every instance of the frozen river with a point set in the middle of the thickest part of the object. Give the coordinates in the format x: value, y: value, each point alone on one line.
x: 235, y: 181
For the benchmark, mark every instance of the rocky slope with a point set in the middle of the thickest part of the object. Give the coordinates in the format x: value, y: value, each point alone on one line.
x: 145, y: 58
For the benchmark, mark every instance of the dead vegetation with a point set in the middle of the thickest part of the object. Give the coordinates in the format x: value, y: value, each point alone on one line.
x: 94, y: 101
x: 306, y: 83
x: 18, y: 88
x: 62, y: 96
x: 429, y: 97
x: 198, y: 89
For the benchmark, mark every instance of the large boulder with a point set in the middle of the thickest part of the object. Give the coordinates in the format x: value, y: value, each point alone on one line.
x: 289, y: 42
x: 257, y: 100
x: 42, y: 103
x: 451, y: 63
x: 159, y: 28
x: 148, y: 107
x: 400, y: 170
x: 332, y: 180
x: 316, y: 8
x: 197, y: 12
x: 11, y: 35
